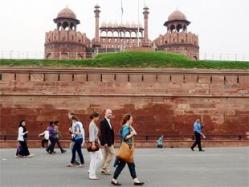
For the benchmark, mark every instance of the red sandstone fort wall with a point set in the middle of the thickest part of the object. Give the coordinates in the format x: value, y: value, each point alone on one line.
x: 165, y: 101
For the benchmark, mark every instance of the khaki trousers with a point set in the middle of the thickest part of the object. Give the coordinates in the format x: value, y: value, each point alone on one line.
x: 109, y: 153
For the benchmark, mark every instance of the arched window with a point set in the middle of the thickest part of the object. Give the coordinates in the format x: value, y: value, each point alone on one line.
x: 65, y: 25
x: 172, y: 28
x: 178, y: 28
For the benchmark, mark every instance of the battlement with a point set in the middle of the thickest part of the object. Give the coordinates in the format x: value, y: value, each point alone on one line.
x: 66, y: 44
x: 177, y: 38
x: 69, y: 36
x: 170, y: 83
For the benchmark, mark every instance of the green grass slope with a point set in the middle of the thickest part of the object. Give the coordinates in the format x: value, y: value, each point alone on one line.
x: 132, y: 60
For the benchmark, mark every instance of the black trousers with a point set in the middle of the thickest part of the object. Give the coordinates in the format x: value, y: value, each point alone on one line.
x: 50, y: 148
x: 23, y: 149
x: 57, y: 141
x: 120, y: 166
x: 197, y: 141
x: 77, y: 148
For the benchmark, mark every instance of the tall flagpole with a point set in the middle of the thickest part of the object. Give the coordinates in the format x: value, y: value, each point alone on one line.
x: 122, y: 11
x: 120, y: 34
x: 138, y: 7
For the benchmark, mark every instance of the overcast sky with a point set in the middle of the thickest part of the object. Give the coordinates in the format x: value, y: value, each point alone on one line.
x: 222, y: 25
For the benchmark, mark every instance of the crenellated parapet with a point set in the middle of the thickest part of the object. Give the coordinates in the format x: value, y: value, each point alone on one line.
x: 177, y: 38
x: 67, y: 36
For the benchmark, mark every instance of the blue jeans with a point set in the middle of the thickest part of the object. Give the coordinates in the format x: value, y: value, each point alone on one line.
x: 77, y: 147
x: 120, y: 166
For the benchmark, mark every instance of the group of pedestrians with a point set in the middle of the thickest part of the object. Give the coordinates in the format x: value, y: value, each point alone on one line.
x: 101, y: 137
x: 50, y: 137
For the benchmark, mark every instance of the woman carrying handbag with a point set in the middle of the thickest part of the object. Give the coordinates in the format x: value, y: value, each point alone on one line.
x: 93, y: 147
x: 125, y: 153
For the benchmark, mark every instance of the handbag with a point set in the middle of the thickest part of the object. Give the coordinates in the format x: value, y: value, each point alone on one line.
x: 89, y: 147
x: 125, y: 153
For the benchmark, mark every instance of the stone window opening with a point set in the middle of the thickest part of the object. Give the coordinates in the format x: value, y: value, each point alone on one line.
x: 179, y: 28
x: 65, y: 25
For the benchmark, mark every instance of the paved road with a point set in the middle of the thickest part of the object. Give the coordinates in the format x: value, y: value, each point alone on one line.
x: 217, y: 167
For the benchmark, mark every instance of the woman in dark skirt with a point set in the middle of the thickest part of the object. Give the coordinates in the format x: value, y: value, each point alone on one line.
x: 22, y: 149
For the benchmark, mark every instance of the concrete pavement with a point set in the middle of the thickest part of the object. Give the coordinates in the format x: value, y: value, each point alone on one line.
x: 216, y: 167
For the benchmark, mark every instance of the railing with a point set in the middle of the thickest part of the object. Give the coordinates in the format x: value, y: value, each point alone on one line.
x: 12, y: 54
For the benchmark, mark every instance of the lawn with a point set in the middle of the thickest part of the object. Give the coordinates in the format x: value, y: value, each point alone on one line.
x: 132, y: 60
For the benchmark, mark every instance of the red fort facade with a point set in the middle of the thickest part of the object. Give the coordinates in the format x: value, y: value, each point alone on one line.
x: 65, y: 42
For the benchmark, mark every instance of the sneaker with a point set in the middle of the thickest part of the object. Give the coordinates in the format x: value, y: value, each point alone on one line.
x: 192, y: 149
x: 80, y: 166
x: 93, y: 178
x: 30, y: 155
x: 115, y: 183
x: 70, y: 165
x: 138, y: 183
x: 76, y: 163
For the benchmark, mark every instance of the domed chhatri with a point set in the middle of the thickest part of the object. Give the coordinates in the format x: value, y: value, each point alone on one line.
x: 178, y: 39
x: 66, y: 18
x: 66, y: 13
x: 177, y: 20
x: 177, y: 15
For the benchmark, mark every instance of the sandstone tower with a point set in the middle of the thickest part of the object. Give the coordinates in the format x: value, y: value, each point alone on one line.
x: 146, y: 41
x: 178, y: 39
x: 65, y: 42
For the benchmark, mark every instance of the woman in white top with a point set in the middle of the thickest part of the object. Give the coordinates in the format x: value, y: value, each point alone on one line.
x: 95, y: 153
x: 22, y: 150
